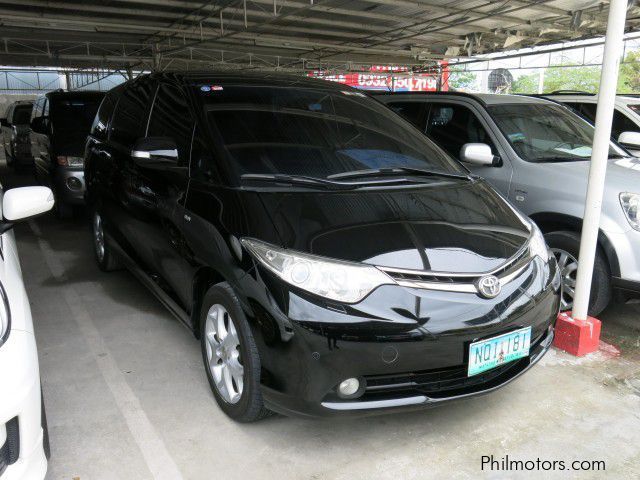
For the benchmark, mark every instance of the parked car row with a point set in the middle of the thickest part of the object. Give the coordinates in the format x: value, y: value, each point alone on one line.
x: 332, y: 257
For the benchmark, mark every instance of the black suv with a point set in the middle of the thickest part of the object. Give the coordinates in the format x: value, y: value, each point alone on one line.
x: 60, y: 124
x: 331, y: 259
x: 15, y: 134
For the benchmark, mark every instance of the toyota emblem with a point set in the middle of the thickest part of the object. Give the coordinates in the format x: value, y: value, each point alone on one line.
x: 489, y: 286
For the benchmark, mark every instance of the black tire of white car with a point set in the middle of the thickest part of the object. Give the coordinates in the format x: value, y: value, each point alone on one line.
x: 601, y: 281
x: 250, y: 407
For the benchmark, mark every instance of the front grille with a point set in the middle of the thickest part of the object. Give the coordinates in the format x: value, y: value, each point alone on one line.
x: 516, y: 262
x: 444, y: 382
x: 10, y: 451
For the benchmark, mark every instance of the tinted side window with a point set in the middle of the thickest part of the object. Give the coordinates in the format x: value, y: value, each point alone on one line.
x: 412, y: 111
x: 451, y: 126
x: 622, y: 123
x: 130, y: 118
x: 101, y: 121
x: 203, y: 165
x: 587, y: 110
x: 171, y: 117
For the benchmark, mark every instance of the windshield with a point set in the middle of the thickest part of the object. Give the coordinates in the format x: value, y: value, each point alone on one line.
x: 72, y: 119
x: 546, y: 132
x: 21, y: 115
x: 74, y: 115
x: 314, y: 132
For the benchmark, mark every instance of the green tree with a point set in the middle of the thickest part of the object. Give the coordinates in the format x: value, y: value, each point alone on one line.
x: 629, y: 77
x: 462, y: 80
x: 584, y: 79
x: 525, y: 84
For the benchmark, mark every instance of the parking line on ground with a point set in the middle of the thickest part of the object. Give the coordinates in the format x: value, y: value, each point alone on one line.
x: 157, y: 457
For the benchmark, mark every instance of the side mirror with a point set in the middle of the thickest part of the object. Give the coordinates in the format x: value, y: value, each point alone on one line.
x: 478, y: 154
x: 151, y: 151
x: 630, y: 139
x: 25, y: 202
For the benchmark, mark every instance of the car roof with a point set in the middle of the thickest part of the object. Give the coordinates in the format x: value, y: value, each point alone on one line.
x: 589, y: 98
x: 485, y: 98
x: 251, y: 79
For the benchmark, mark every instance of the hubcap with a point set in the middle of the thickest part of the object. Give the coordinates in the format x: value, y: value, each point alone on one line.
x: 98, y: 236
x: 223, y: 354
x: 568, y: 266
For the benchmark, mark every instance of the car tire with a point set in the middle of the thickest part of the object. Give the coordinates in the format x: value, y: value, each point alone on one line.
x: 106, y: 258
x: 566, y: 248
x: 230, y: 355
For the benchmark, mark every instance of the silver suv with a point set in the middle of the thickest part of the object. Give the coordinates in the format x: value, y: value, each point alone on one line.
x: 536, y: 153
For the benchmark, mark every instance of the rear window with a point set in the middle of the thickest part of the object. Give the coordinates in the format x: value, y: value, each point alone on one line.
x: 74, y: 115
x: 21, y: 115
x: 314, y: 132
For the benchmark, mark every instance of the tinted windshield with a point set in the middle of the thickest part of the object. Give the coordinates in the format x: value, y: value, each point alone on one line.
x: 74, y: 115
x: 21, y: 115
x: 546, y: 132
x: 314, y: 132
x: 71, y: 119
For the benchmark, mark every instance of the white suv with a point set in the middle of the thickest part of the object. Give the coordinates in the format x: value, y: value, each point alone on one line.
x: 626, y: 116
x: 24, y: 441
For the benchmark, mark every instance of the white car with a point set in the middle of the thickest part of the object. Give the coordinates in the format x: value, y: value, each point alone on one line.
x: 23, y: 432
x: 625, y: 128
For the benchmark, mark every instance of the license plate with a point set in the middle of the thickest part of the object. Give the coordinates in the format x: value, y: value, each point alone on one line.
x: 493, y: 352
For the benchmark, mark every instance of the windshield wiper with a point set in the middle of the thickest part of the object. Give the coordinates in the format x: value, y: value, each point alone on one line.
x: 395, y: 171
x: 300, y: 180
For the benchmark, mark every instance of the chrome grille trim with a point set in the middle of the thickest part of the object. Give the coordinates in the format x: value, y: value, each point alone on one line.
x: 459, y: 281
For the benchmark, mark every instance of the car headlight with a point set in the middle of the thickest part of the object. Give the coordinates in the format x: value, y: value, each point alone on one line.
x: 537, y: 244
x: 334, y: 279
x: 630, y: 203
x: 5, y: 316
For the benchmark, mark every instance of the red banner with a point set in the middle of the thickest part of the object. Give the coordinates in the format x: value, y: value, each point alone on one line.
x: 404, y: 81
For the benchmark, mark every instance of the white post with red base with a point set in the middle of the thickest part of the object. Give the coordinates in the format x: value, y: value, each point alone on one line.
x: 576, y: 332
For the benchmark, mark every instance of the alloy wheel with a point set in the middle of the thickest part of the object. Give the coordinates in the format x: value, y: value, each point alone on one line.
x: 98, y: 237
x: 568, y: 265
x: 223, y: 354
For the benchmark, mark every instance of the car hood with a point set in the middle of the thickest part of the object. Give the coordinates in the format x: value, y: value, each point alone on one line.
x: 459, y: 227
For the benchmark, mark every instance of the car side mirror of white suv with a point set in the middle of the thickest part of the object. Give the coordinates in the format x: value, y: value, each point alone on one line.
x: 25, y: 202
x: 478, y: 154
x: 630, y: 139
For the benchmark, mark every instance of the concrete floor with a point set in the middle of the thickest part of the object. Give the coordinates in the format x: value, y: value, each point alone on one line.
x: 127, y: 396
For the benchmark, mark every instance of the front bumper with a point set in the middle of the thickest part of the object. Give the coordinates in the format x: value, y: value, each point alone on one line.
x: 410, y: 345
x: 20, y: 403
x: 69, y: 185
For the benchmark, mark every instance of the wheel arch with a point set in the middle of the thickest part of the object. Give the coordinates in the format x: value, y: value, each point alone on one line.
x: 553, y: 222
x: 204, y: 279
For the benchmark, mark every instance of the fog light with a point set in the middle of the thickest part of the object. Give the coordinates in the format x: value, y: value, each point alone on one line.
x: 74, y: 183
x: 349, y: 387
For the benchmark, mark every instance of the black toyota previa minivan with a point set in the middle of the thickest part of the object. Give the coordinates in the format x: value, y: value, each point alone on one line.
x: 331, y: 259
